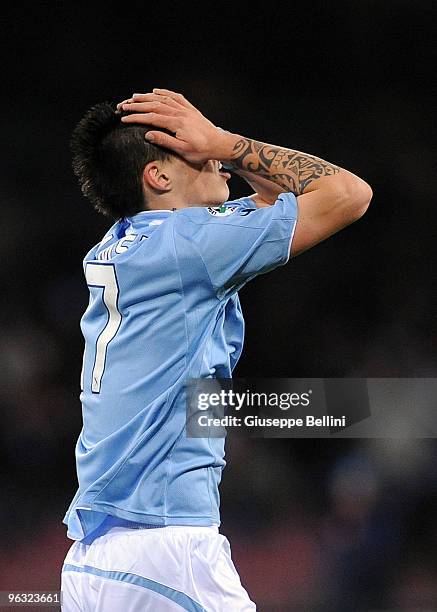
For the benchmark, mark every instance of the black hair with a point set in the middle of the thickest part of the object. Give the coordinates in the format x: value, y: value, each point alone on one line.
x: 109, y: 158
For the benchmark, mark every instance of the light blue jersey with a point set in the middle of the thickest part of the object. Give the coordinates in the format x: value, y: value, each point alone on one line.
x: 164, y: 308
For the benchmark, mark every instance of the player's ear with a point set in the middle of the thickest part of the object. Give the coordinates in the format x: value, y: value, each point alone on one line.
x: 155, y: 177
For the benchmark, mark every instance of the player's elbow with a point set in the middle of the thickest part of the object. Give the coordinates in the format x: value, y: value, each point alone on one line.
x: 355, y: 199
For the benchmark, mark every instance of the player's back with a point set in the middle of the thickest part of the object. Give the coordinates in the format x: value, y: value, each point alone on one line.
x: 147, y: 329
x: 163, y: 308
x: 134, y: 326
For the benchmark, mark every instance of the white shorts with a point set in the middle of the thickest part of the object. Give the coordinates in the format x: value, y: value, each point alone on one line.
x: 153, y: 570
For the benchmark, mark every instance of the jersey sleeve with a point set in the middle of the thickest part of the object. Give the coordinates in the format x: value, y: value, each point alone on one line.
x: 238, y: 241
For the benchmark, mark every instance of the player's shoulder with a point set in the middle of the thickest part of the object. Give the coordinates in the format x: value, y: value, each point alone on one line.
x: 111, y: 235
x: 229, y: 210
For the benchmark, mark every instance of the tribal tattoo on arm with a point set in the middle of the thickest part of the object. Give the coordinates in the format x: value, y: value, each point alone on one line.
x: 292, y: 170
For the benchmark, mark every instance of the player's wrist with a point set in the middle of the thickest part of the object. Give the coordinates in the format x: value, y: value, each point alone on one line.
x: 224, y: 146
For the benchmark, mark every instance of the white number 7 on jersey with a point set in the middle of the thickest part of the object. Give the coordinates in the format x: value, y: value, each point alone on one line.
x: 103, y: 275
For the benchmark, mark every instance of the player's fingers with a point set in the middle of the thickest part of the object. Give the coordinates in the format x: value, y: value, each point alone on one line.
x: 120, y: 104
x: 152, y: 97
x: 147, y: 107
x: 162, y: 121
x: 177, y: 97
x: 167, y: 141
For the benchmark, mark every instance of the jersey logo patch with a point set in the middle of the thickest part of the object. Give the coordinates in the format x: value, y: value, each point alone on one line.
x: 221, y: 211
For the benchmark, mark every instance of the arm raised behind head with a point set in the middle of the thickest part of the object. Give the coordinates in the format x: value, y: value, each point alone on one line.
x: 329, y: 197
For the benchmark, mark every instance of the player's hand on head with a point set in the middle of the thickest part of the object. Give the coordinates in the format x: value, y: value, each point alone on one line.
x: 195, y: 137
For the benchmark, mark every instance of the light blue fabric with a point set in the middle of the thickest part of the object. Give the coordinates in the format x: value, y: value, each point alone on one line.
x: 164, y: 284
x: 183, y: 600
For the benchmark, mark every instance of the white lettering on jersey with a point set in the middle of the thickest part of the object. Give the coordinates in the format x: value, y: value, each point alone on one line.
x: 119, y: 247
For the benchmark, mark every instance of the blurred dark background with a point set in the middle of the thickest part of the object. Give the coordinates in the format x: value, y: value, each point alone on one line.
x: 315, y: 525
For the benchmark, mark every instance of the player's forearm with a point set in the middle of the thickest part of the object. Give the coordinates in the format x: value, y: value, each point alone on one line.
x: 288, y: 169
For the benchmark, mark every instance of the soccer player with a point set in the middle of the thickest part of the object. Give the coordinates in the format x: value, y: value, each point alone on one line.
x: 163, y: 308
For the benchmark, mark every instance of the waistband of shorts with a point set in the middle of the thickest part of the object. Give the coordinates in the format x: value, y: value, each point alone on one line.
x: 115, y: 521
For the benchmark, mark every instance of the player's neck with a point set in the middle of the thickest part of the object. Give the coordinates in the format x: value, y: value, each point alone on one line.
x: 165, y: 201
